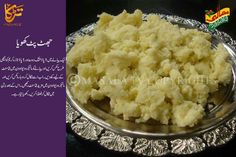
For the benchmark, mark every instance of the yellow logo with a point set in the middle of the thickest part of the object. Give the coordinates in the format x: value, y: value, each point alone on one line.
x: 210, y: 18
x: 12, y: 11
x: 214, y: 19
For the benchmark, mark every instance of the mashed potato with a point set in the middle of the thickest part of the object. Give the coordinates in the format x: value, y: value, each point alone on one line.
x: 149, y: 69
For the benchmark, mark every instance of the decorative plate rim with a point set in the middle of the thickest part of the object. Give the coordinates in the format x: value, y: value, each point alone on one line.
x: 87, y: 129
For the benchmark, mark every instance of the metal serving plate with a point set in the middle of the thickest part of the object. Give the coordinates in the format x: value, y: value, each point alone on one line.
x: 93, y: 122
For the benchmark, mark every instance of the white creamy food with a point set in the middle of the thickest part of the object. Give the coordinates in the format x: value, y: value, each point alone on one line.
x: 148, y: 69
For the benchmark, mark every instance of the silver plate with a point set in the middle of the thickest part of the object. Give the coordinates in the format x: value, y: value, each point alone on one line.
x: 217, y: 127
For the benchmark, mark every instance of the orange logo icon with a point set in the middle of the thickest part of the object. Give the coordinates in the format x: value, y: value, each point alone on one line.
x: 11, y: 11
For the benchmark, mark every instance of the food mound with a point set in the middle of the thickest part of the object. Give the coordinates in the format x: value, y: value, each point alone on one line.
x: 149, y: 69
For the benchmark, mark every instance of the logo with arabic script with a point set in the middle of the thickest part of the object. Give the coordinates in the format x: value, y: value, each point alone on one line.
x: 12, y: 11
x: 214, y: 19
